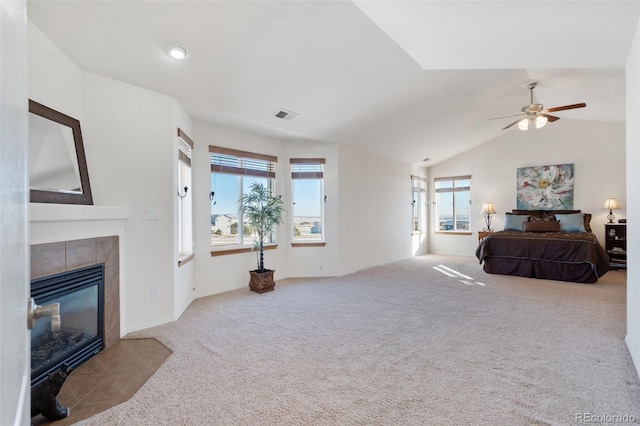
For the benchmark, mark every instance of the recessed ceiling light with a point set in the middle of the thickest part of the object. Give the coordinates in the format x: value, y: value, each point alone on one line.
x: 176, y: 51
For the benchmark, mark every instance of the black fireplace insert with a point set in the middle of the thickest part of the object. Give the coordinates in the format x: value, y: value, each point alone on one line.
x: 81, y: 296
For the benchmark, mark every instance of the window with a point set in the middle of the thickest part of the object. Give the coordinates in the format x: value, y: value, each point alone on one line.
x: 185, y: 210
x: 232, y: 173
x: 307, y: 198
x: 453, y: 202
x: 418, y: 203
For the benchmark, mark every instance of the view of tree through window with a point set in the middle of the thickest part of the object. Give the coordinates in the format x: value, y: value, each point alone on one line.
x: 453, y: 203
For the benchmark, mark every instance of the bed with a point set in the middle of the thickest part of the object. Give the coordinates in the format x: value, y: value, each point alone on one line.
x: 534, y: 245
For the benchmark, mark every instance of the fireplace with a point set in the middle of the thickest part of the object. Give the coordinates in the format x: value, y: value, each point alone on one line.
x: 51, y: 259
x: 80, y: 293
x: 92, y: 316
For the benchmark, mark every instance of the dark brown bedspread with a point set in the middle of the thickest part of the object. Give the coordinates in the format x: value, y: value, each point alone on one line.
x: 549, y: 255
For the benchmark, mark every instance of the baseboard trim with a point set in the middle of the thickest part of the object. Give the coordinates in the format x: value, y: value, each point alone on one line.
x: 635, y: 354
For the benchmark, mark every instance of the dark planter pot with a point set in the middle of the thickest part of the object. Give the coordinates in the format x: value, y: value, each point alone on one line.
x: 262, y: 281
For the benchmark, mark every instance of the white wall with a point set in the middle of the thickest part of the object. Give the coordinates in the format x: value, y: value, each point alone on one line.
x: 375, y: 209
x: 130, y: 143
x: 54, y: 80
x: 633, y: 200
x: 596, y: 149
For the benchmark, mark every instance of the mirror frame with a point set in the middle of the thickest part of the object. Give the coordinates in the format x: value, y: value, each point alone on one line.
x: 61, y: 197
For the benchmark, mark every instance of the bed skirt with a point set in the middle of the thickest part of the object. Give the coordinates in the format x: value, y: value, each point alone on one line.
x: 541, y: 269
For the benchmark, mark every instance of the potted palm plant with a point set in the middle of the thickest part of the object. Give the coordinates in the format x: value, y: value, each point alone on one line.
x: 262, y: 211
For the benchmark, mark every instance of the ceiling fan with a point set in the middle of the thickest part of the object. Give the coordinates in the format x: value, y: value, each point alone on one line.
x: 536, y: 114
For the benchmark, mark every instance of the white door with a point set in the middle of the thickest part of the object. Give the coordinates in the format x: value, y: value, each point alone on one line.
x: 15, y: 375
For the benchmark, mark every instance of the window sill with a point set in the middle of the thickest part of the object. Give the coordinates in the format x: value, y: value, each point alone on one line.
x: 455, y: 232
x: 183, y: 259
x: 239, y: 249
x: 315, y: 244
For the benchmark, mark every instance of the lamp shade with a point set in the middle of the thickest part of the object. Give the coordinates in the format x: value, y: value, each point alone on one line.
x: 487, y: 208
x: 611, y: 204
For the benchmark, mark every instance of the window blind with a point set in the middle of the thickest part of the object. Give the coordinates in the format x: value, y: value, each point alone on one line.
x: 307, y: 168
x: 453, y: 184
x: 226, y: 160
x: 185, y: 145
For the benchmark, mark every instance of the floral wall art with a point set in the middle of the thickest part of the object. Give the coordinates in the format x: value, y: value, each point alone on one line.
x: 545, y: 187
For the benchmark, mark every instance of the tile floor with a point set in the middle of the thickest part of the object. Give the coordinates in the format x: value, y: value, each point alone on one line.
x: 108, y: 379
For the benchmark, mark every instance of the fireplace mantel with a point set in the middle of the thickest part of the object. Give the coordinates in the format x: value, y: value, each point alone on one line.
x: 71, y: 213
x: 64, y: 237
x: 50, y: 223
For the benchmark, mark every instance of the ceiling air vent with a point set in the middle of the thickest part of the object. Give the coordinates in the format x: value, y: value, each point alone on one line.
x: 286, y: 115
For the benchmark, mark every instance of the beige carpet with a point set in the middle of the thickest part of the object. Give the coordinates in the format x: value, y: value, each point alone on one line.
x: 400, y: 344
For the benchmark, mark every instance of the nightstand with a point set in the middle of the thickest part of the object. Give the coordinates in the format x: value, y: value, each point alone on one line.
x: 482, y: 234
x: 616, y: 244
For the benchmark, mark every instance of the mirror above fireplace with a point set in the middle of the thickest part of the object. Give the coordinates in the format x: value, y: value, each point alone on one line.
x: 57, y: 163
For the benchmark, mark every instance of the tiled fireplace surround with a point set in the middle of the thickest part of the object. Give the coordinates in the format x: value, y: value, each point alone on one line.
x: 53, y: 258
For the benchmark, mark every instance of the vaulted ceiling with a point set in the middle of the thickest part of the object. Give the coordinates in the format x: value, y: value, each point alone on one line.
x: 406, y: 80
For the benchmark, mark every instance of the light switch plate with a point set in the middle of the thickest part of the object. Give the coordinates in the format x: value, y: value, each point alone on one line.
x: 153, y: 214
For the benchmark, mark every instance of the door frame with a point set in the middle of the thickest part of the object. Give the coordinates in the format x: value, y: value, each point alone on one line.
x: 15, y: 375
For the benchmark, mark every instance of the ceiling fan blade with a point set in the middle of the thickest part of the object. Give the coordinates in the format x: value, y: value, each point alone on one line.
x: 506, y: 116
x: 551, y: 118
x: 515, y: 122
x: 562, y: 108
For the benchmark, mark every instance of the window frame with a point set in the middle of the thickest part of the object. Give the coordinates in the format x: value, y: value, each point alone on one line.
x: 419, y: 201
x: 185, y: 203
x: 453, y: 189
x: 258, y: 166
x: 313, y: 173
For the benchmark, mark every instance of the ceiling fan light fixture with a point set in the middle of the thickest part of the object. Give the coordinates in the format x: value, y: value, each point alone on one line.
x: 523, y: 124
x: 536, y: 114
